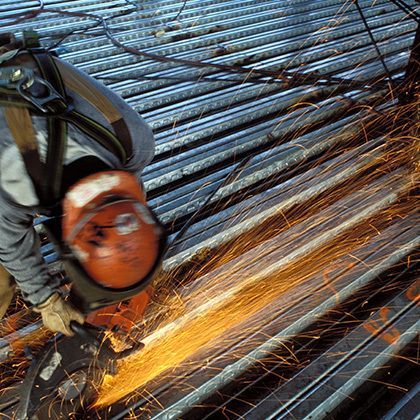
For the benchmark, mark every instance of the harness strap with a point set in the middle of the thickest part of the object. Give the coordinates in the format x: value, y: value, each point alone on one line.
x: 96, y: 98
x: 97, y: 132
x: 57, y: 131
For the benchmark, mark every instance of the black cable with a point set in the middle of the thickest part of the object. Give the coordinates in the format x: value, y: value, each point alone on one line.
x: 181, y: 10
x: 236, y: 172
x: 62, y: 38
x: 411, y: 13
x: 380, y: 56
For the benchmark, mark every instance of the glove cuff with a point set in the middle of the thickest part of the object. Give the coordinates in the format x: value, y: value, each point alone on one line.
x: 50, y: 301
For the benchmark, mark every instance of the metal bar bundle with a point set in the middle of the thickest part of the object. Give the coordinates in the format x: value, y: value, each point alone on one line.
x: 313, y: 174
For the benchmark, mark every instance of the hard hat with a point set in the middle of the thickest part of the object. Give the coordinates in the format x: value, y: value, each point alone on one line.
x: 110, y: 229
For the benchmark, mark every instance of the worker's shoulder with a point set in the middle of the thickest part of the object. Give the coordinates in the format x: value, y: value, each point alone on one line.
x: 80, y: 83
x: 93, y: 98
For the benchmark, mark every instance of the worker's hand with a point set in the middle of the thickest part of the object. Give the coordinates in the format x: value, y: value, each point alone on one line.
x: 57, y: 314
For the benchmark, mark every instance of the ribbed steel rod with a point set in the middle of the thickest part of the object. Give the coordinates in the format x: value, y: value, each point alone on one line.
x: 131, y: 65
x: 239, y: 28
x: 75, y: 23
x: 276, y: 63
x: 379, y: 361
x: 343, y: 360
x: 207, y: 102
x: 274, y: 201
x: 261, y: 161
x: 232, y: 23
x: 241, y: 144
x: 279, y: 159
x: 235, y: 369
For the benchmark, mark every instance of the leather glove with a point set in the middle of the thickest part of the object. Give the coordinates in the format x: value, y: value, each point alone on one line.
x: 57, y: 314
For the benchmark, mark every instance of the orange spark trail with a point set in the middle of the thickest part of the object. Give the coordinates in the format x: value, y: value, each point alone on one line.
x: 234, y: 296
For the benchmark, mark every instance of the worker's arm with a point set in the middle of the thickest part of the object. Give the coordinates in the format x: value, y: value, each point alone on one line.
x: 142, y: 139
x: 20, y: 254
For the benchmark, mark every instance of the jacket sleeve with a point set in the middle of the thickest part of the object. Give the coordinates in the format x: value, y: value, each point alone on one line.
x: 143, y: 141
x: 21, y: 256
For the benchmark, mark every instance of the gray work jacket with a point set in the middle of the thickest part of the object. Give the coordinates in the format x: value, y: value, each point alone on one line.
x: 19, y: 243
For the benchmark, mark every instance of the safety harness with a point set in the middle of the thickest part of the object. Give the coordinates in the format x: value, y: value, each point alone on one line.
x: 32, y: 83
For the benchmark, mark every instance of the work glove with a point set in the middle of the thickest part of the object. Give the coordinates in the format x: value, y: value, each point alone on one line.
x: 57, y: 314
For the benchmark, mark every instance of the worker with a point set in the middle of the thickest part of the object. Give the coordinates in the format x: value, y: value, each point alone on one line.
x: 73, y: 150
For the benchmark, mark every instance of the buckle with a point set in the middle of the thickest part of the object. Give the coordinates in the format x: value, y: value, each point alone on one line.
x: 21, y: 79
x: 47, y: 103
